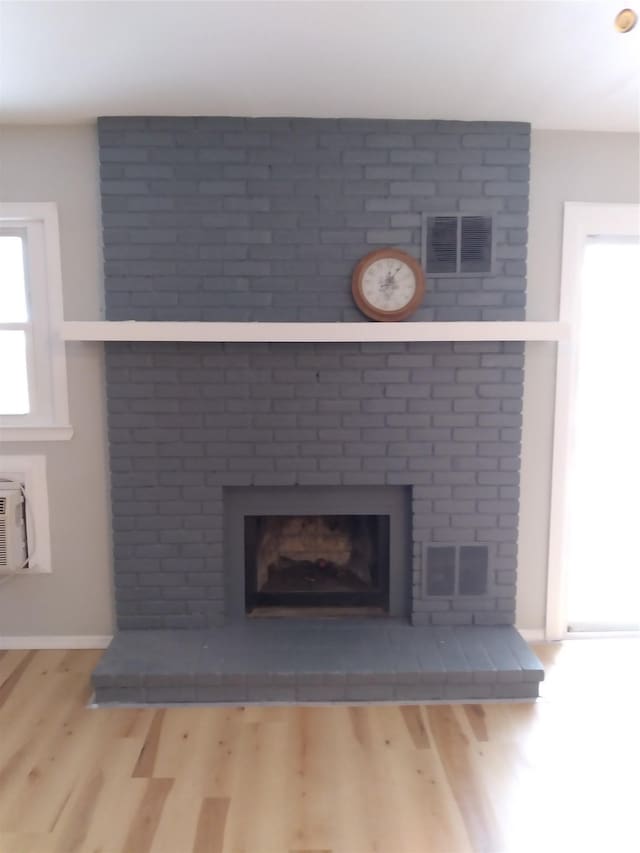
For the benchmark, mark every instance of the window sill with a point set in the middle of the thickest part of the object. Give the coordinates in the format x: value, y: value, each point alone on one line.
x: 35, y: 433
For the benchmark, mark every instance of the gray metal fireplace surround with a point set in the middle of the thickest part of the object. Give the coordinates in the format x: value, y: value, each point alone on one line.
x: 386, y: 500
x: 263, y: 219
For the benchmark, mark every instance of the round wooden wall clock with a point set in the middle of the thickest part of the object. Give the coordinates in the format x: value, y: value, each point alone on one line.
x: 388, y: 285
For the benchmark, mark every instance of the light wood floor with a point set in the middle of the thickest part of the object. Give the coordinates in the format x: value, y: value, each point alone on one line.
x: 559, y: 775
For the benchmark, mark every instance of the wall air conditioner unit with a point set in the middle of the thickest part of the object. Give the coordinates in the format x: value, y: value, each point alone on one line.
x: 13, y: 533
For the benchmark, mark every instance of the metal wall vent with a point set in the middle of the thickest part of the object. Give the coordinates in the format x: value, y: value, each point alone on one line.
x: 458, y: 245
x: 457, y: 569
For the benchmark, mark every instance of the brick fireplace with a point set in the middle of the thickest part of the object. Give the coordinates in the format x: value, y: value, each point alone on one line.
x: 263, y: 220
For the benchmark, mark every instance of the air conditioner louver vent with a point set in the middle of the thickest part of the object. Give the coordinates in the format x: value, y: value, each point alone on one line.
x: 458, y: 245
x: 13, y: 545
x: 3, y: 543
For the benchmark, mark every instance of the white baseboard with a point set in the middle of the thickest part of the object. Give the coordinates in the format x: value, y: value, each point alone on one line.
x: 101, y: 641
x: 84, y: 641
x: 532, y: 635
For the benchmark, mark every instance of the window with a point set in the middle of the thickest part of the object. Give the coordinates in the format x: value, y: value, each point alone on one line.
x: 33, y: 386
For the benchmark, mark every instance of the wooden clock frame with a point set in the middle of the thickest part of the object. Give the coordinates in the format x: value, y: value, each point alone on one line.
x: 378, y: 313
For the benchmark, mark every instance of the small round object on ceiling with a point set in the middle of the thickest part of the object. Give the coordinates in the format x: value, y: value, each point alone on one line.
x: 625, y: 20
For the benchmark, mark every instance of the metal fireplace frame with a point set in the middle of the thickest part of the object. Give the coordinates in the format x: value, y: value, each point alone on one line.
x: 390, y: 502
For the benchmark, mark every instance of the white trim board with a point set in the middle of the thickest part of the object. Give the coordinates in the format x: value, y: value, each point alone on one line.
x: 131, y: 330
x: 54, y: 433
x: 601, y: 635
x: 82, y: 641
x: 101, y: 641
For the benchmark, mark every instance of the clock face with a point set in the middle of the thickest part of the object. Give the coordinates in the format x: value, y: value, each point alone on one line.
x: 388, y: 284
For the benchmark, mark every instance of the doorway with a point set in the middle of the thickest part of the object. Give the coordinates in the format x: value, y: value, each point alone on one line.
x: 599, y: 393
x: 603, y: 513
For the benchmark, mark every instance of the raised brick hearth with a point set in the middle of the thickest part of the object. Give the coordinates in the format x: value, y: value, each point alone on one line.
x: 318, y: 661
x: 263, y: 220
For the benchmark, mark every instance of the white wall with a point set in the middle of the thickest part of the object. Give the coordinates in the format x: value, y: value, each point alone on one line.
x: 565, y: 166
x: 61, y: 165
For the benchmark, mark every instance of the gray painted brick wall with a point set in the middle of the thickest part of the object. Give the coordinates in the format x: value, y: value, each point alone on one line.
x: 264, y: 219
x: 186, y: 420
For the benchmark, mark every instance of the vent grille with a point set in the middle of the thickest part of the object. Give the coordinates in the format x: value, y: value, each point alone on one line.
x: 459, y: 245
x: 475, y: 244
x: 457, y: 570
x: 3, y: 506
x: 3, y: 542
x: 442, y: 244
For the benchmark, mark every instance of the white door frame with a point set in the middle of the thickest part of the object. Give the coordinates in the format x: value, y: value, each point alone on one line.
x: 581, y: 221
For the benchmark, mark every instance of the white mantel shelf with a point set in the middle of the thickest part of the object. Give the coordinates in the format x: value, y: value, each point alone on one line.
x: 130, y: 330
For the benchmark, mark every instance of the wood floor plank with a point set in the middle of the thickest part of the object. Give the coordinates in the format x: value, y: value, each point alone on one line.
x: 10, y: 660
x: 71, y: 829
x: 189, y: 736
x: 10, y: 681
x: 42, y: 740
x: 211, y: 825
x: 24, y: 842
x: 361, y: 728
x: 412, y: 716
x: 312, y: 790
x: 145, y: 822
x: 135, y: 722
x: 176, y: 741
x: 47, y: 786
x: 118, y: 799
x: 79, y: 661
x: 476, y: 715
x: 149, y: 751
x: 257, y: 778
x: 464, y: 780
x: 219, y: 741
x: 33, y: 704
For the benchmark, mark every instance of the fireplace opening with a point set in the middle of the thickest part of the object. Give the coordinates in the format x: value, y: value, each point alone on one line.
x: 319, y: 561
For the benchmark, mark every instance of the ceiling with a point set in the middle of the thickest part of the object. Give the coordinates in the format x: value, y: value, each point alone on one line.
x: 556, y: 64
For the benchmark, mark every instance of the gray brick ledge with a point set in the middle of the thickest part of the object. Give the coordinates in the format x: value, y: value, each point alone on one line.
x: 304, y: 661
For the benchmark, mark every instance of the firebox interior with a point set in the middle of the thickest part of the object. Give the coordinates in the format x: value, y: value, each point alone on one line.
x: 316, y: 561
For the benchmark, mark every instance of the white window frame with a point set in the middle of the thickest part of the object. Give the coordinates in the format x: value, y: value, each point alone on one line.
x: 582, y: 220
x: 48, y: 418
